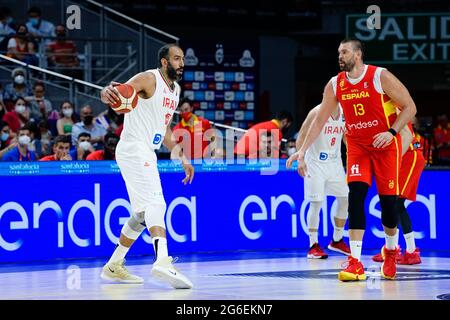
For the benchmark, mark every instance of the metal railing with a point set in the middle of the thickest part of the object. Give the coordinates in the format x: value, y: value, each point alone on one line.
x: 146, y: 39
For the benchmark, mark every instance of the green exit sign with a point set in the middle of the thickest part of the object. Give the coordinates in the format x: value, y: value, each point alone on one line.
x: 403, y: 38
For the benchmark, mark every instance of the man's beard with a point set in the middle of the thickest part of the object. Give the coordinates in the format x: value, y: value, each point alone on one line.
x: 172, y: 73
x: 348, y: 66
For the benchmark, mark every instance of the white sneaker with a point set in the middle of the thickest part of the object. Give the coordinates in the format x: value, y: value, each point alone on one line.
x: 164, y: 270
x: 116, y: 271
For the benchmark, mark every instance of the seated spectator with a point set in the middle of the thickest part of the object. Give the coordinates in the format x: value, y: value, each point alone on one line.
x: 61, y: 148
x: 251, y: 138
x: 66, y: 119
x: 442, y: 140
x: 35, y: 144
x: 109, y: 153
x: 88, y: 125
x: 62, y: 54
x: 290, y: 147
x: 2, y: 105
x: 21, y: 152
x: 82, y: 148
x: 196, y: 127
x: 37, y: 26
x: 46, y: 137
x: 21, y: 47
x: 5, y: 135
x: 110, y: 120
x: 40, y: 108
x: 19, y: 117
x: 18, y: 88
x: 5, y: 30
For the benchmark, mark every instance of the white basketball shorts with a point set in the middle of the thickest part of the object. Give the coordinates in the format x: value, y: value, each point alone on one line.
x: 324, y: 179
x: 138, y: 165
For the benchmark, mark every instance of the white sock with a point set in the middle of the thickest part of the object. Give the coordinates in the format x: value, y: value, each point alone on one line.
x: 410, y: 242
x: 160, y: 247
x: 355, y: 249
x: 338, y: 233
x: 313, y: 238
x: 119, y: 253
x: 391, y: 241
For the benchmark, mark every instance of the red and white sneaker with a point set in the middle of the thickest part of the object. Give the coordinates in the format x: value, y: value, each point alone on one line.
x: 339, y: 246
x: 316, y: 252
x: 353, y: 271
x: 389, y: 266
x: 379, y: 258
x: 410, y: 258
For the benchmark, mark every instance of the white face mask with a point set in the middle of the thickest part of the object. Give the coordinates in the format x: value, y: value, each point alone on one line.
x: 85, y: 145
x: 67, y: 112
x: 291, y: 151
x: 24, y: 140
x: 20, y: 108
x: 19, y: 79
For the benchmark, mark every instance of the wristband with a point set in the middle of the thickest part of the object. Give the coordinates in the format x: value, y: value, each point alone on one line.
x: 392, y: 131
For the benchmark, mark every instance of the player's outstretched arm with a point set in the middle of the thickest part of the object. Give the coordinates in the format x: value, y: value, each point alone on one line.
x: 301, y: 135
x: 144, y: 83
x: 177, y: 153
x: 328, y: 105
x: 400, y: 95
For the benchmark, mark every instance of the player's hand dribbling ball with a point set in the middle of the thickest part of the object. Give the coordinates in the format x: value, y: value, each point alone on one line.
x: 128, y: 99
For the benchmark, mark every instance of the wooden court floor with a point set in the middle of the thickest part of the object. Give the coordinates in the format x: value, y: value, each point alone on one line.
x: 265, y: 276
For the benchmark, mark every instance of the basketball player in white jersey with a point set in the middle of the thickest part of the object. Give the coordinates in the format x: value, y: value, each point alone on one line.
x: 145, y: 129
x: 325, y: 176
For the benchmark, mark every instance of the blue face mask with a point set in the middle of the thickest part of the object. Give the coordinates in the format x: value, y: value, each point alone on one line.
x: 34, y: 21
x: 4, y: 136
x: 9, y: 20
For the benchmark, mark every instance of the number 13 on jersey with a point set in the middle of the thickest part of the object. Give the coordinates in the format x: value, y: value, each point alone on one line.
x: 359, y: 109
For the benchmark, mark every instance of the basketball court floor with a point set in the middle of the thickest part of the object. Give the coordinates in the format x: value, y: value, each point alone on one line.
x: 269, y: 275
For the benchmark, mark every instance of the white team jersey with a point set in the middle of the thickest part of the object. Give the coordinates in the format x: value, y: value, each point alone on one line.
x: 327, y: 146
x: 148, y: 122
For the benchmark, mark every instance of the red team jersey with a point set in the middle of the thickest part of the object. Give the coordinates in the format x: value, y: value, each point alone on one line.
x: 369, y: 111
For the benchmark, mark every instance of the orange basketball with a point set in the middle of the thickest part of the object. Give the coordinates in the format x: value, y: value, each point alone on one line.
x: 128, y: 99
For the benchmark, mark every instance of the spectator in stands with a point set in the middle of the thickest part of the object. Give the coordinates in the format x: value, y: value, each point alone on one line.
x: 9, y: 17
x: 40, y: 107
x: 82, y: 148
x: 289, y: 149
x: 62, y: 54
x: 21, y: 152
x: 66, y: 119
x: 109, y: 153
x: 5, y: 135
x: 21, y: 47
x: 5, y: 30
x: 88, y: 125
x: 2, y: 105
x: 37, y: 26
x: 194, y: 128
x: 110, y: 120
x: 61, y: 148
x: 18, y: 88
x: 35, y: 136
x: 442, y: 140
x: 251, y: 138
x: 46, y: 137
x: 19, y: 117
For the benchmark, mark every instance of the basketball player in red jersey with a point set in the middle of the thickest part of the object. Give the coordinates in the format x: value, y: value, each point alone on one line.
x: 413, y: 163
x: 368, y: 96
